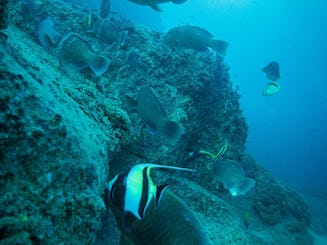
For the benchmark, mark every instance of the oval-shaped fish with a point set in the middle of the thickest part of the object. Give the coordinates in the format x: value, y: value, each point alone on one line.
x: 272, y: 71
x: 271, y: 89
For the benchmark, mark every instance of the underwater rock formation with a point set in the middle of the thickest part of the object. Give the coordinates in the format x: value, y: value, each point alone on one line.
x: 65, y: 131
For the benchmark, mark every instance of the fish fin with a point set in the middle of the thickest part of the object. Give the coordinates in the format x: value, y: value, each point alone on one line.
x: 152, y: 165
x: 178, y: 1
x: 132, y: 103
x: 99, y: 65
x: 219, y: 46
x: 159, y: 192
x: 155, y: 7
x: 171, y: 130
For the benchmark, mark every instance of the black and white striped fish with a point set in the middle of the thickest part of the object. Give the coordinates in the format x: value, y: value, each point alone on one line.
x: 133, y: 190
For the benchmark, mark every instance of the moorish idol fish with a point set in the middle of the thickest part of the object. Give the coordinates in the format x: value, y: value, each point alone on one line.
x: 272, y: 71
x: 133, y: 190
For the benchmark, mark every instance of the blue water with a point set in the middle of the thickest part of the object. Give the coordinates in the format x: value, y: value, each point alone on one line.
x: 287, y: 131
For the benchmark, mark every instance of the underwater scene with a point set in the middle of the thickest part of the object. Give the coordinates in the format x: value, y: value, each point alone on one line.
x: 163, y: 122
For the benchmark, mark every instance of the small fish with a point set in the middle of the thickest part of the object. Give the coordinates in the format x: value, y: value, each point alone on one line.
x: 46, y: 33
x: 105, y: 7
x: 133, y: 190
x: 231, y: 175
x: 77, y: 51
x: 154, y: 3
x: 272, y: 71
x: 271, y: 89
x: 196, y: 38
x: 154, y: 115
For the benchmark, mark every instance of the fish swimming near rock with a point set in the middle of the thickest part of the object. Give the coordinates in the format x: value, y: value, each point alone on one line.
x: 271, y: 89
x: 154, y: 4
x: 134, y: 60
x: 76, y: 50
x: 106, y: 32
x: 133, y: 190
x: 272, y: 71
x: 231, y: 175
x: 193, y: 37
x: 154, y: 115
x: 105, y: 8
x: 166, y: 221
x: 46, y: 33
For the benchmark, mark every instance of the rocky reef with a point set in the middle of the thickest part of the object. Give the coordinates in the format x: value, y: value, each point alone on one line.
x: 64, y: 132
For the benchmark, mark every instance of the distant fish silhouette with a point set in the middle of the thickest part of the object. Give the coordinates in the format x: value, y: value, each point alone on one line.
x: 46, y: 33
x: 272, y: 71
x: 105, y: 7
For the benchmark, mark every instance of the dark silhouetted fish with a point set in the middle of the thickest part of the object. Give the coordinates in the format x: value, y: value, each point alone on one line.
x: 193, y: 37
x: 105, y: 7
x: 147, y: 214
x: 153, y: 114
x: 106, y: 32
x: 76, y: 50
x: 134, y: 60
x: 155, y: 3
x: 272, y: 71
x: 46, y: 33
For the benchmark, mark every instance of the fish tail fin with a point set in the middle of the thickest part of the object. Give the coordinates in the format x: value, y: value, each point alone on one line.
x: 155, y: 7
x: 171, y: 130
x: 99, y: 64
x: 220, y: 47
x: 178, y: 1
x: 122, y: 36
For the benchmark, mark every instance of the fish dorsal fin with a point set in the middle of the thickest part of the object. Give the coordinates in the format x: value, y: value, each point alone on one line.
x: 152, y: 165
x: 155, y: 7
x: 159, y: 192
x: 202, y: 31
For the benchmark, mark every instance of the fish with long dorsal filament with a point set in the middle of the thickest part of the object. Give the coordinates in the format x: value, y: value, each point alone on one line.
x: 167, y: 220
x: 133, y: 190
x: 154, y: 4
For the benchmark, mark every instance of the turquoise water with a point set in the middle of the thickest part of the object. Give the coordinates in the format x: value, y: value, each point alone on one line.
x: 287, y: 132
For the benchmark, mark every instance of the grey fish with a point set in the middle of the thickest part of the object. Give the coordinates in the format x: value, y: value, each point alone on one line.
x: 154, y: 3
x: 105, y: 7
x: 76, y: 50
x: 154, y: 115
x: 134, y: 60
x: 193, y: 37
x: 231, y: 175
x: 106, y: 32
x: 272, y: 71
x: 46, y: 33
x: 166, y: 219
